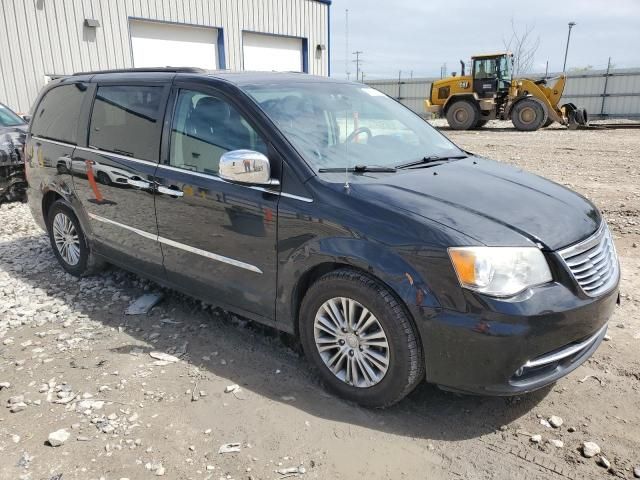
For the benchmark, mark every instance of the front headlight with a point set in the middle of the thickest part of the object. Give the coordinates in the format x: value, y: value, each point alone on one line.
x: 499, y: 271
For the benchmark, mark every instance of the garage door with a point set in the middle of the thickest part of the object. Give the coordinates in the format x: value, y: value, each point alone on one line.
x: 156, y: 44
x: 270, y: 52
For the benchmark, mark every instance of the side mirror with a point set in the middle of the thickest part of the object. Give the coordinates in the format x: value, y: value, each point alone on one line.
x: 246, y: 167
x: 26, y: 118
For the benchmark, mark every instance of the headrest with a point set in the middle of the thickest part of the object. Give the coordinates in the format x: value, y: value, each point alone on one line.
x: 211, y: 108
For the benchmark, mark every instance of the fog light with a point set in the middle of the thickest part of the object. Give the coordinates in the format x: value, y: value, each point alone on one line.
x: 519, y: 372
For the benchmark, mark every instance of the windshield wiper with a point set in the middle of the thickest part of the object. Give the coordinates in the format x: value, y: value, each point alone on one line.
x: 358, y: 169
x: 431, y: 159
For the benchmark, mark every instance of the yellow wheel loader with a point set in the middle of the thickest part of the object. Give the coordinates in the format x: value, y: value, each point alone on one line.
x: 489, y: 92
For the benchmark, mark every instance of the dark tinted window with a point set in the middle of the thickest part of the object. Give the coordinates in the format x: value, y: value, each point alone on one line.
x: 126, y: 120
x: 57, y: 114
x: 204, y: 128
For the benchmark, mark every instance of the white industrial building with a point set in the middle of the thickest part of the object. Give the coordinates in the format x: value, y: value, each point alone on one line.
x: 42, y: 39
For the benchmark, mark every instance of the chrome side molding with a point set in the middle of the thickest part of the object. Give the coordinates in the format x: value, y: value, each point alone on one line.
x: 181, y: 246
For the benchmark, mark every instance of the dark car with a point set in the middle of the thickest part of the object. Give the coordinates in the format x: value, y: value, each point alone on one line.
x: 327, y: 210
x: 13, y: 129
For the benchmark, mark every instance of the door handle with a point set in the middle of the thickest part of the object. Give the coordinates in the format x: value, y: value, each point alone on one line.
x: 169, y: 191
x: 139, y: 183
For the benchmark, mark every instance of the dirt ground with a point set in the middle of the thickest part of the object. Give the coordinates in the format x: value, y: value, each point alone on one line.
x: 72, y: 360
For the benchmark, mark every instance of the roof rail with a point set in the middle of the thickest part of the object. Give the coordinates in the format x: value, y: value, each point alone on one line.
x: 146, y: 70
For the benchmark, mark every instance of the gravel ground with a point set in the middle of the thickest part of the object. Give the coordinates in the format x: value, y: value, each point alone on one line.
x: 77, y: 373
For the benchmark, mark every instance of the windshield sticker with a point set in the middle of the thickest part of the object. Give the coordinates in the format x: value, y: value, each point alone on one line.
x: 373, y: 92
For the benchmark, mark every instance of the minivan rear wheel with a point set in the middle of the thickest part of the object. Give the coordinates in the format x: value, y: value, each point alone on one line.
x: 360, y: 338
x: 69, y: 242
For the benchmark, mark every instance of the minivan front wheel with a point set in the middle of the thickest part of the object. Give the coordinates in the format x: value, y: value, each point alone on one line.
x: 360, y: 339
x: 69, y: 241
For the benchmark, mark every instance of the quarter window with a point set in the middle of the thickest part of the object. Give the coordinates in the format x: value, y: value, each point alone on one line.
x: 127, y: 120
x: 56, y: 116
x: 204, y: 128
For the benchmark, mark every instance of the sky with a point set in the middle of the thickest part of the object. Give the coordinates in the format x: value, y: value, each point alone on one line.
x: 422, y: 35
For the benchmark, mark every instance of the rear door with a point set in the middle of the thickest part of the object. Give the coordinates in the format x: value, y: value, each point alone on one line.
x: 113, y: 171
x: 218, y: 238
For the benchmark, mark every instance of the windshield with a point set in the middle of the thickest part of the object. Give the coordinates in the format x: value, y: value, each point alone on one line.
x: 8, y: 118
x: 341, y: 125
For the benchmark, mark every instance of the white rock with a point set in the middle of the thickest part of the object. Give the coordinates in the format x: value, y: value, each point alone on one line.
x: 536, y: 438
x: 544, y: 423
x: 555, y: 421
x: 590, y: 449
x: 603, y: 462
x: 232, y: 388
x: 164, y: 357
x: 229, y: 448
x: 556, y: 443
x: 4, y: 385
x: 58, y: 437
x: 636, y: 471
x: 160, y: 471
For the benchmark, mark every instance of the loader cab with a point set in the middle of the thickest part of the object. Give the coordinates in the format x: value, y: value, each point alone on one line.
x: 491, y: 74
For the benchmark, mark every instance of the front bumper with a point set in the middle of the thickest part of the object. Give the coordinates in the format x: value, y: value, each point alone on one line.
x: 508, y: 347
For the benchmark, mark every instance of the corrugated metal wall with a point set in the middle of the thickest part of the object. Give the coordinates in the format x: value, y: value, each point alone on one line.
x: 620, y: 98
x: 48, y: 37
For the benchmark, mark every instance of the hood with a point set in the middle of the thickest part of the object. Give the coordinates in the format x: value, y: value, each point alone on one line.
x: 491, y: 202
x: 11, y: 141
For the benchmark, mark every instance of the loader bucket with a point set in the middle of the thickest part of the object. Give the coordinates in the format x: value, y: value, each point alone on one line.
x: 575, y: 117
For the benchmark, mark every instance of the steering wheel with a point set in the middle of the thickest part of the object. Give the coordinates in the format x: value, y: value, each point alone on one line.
x: 353, y: 135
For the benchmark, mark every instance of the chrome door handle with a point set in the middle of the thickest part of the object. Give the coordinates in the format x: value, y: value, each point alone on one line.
x: 169, y: 191
x: 139, y: 183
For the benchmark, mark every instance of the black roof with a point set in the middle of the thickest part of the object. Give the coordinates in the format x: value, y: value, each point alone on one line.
x: 235, y: 77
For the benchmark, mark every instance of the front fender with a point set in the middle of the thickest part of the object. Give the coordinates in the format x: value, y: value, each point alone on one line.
x: 376, y: 259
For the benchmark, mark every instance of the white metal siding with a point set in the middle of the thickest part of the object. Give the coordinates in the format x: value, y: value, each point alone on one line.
x: 40, y: 37
x: 622, y: 97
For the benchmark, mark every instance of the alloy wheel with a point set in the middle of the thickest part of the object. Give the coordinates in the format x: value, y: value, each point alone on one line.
x: 351, y: 342
x: 66, y: 239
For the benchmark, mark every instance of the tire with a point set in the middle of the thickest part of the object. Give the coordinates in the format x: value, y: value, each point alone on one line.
x: 547, y: 123
x: 391, y: 325
x: 77, y: 258
x: 103, y: 178
x: 463, y: 115
x: 528, y: 115
x: 480, y: 123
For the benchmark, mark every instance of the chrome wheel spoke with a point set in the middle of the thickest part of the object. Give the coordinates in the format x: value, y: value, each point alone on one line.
x: 351, y: 342
x: 66, y: 238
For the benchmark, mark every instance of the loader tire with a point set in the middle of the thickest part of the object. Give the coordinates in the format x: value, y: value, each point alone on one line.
x: 528, y: 115
x: 547, y: 123
x: 463, y: 115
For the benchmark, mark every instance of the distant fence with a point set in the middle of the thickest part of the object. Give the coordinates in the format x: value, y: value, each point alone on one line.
x: 605, y: 94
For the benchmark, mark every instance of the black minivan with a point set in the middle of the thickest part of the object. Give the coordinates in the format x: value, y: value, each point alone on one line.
x: 330, y: 211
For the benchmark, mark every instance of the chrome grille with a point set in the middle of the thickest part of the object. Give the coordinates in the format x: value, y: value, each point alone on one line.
x: 593, y: 262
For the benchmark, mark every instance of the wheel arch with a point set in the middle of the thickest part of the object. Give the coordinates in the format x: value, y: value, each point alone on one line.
x: 48, y: 199
x: 469, y: 97
x: 386, y: 267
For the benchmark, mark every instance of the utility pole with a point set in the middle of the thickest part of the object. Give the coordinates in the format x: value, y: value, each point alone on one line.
x: 546, y: 70
x: 357, y: 61
x: 566, y: 51
x: 346, y: 52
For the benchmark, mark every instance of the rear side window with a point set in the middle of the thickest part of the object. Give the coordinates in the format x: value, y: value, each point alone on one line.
x: 57, y: 114
x: 126, y: 120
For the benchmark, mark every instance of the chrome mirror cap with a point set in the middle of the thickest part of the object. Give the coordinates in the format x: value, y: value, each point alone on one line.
x: 247, y: 167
